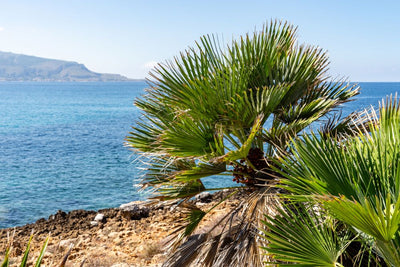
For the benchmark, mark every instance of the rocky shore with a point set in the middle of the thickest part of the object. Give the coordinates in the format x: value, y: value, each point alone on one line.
x: 135, y: 234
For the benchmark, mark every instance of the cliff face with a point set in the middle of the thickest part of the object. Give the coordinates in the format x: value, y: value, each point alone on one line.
x: 17, y: 67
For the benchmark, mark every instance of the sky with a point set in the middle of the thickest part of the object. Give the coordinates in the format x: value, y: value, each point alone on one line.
x: 362, y: 38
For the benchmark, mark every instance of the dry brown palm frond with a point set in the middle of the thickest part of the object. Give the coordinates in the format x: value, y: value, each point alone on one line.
x: 234, y: 239
x: 187, y: 252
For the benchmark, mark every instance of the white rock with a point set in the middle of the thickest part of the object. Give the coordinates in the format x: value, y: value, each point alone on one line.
x: 99, y: 217
x: 67, y: 242
x: 94, y: 223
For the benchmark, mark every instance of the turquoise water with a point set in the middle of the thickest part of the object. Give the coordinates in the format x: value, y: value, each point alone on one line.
x: 61, y: 145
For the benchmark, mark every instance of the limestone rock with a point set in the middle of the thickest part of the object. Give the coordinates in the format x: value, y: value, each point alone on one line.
x: 99, y: 217
x: 135, y: 211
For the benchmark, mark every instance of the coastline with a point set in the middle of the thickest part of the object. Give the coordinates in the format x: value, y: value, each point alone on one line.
x: 134, y: 234
x: 116, y: 240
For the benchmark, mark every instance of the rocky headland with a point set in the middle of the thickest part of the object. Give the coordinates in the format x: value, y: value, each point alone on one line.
x: 18, y: 67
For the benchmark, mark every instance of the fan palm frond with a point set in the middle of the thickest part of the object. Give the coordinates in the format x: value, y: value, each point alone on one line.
x: 305, y: 236
x: 357, y: 179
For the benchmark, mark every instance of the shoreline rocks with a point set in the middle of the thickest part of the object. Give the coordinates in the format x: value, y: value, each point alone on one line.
x: 135, y: 234
x: 134, y: 210
x: 102, y: 238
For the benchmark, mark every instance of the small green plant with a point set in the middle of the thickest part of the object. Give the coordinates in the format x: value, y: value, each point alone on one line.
x: 24, y: 261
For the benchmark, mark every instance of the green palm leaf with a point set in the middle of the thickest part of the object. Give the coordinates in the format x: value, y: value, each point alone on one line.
x: 243, y: 151
x: 42, y: 251
x: 6, y: 258
x: 200, y: 171
x: 175, y: 190
x: 302, y: 236
x: 380, y: 223
x: 371, y: 218
x: 25, y: 257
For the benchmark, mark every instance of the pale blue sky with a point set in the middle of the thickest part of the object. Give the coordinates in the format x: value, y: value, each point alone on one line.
x: 125, y: 37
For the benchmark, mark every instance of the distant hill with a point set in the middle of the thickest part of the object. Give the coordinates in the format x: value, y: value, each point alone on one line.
x: 17, y: 67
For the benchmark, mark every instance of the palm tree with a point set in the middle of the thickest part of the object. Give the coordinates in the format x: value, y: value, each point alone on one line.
x: 355, y: 181
x: 225, y: 112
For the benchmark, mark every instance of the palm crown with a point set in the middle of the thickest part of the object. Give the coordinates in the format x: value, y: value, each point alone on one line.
x: 228, y: 110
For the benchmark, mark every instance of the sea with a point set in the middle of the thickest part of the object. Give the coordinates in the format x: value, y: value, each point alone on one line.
x: 62, y: 145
